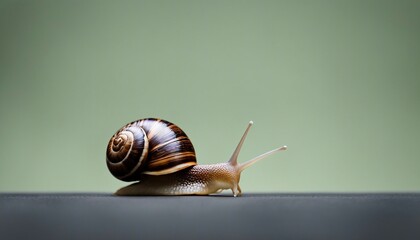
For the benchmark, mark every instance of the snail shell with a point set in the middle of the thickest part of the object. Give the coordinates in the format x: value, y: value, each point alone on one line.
x: 149, y: 146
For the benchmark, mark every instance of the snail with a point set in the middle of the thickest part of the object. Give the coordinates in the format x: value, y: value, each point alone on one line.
x: 160, y: 156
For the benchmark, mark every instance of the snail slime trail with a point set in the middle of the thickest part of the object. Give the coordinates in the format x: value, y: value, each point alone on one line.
x: 160, y: 157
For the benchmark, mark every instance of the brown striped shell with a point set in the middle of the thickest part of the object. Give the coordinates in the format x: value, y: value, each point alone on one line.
x: 148, y: 146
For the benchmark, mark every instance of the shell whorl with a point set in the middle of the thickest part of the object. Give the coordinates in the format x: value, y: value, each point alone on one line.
x: 149, y: 146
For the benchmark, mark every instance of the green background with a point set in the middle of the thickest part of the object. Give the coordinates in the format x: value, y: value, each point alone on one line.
x: 336, y: 81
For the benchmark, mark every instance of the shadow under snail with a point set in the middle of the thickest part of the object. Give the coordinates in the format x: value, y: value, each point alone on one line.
x: 160, y: 156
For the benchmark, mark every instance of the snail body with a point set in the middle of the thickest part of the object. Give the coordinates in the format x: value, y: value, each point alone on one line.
x: 160, y: 156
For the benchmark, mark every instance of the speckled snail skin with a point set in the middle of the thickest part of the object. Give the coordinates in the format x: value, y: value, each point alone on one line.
x: 161, y: 157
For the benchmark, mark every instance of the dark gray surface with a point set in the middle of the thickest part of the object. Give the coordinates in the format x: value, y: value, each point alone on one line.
x: 252, y: 216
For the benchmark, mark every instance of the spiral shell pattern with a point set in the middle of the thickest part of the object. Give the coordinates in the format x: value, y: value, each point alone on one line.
x: 149, y: 146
